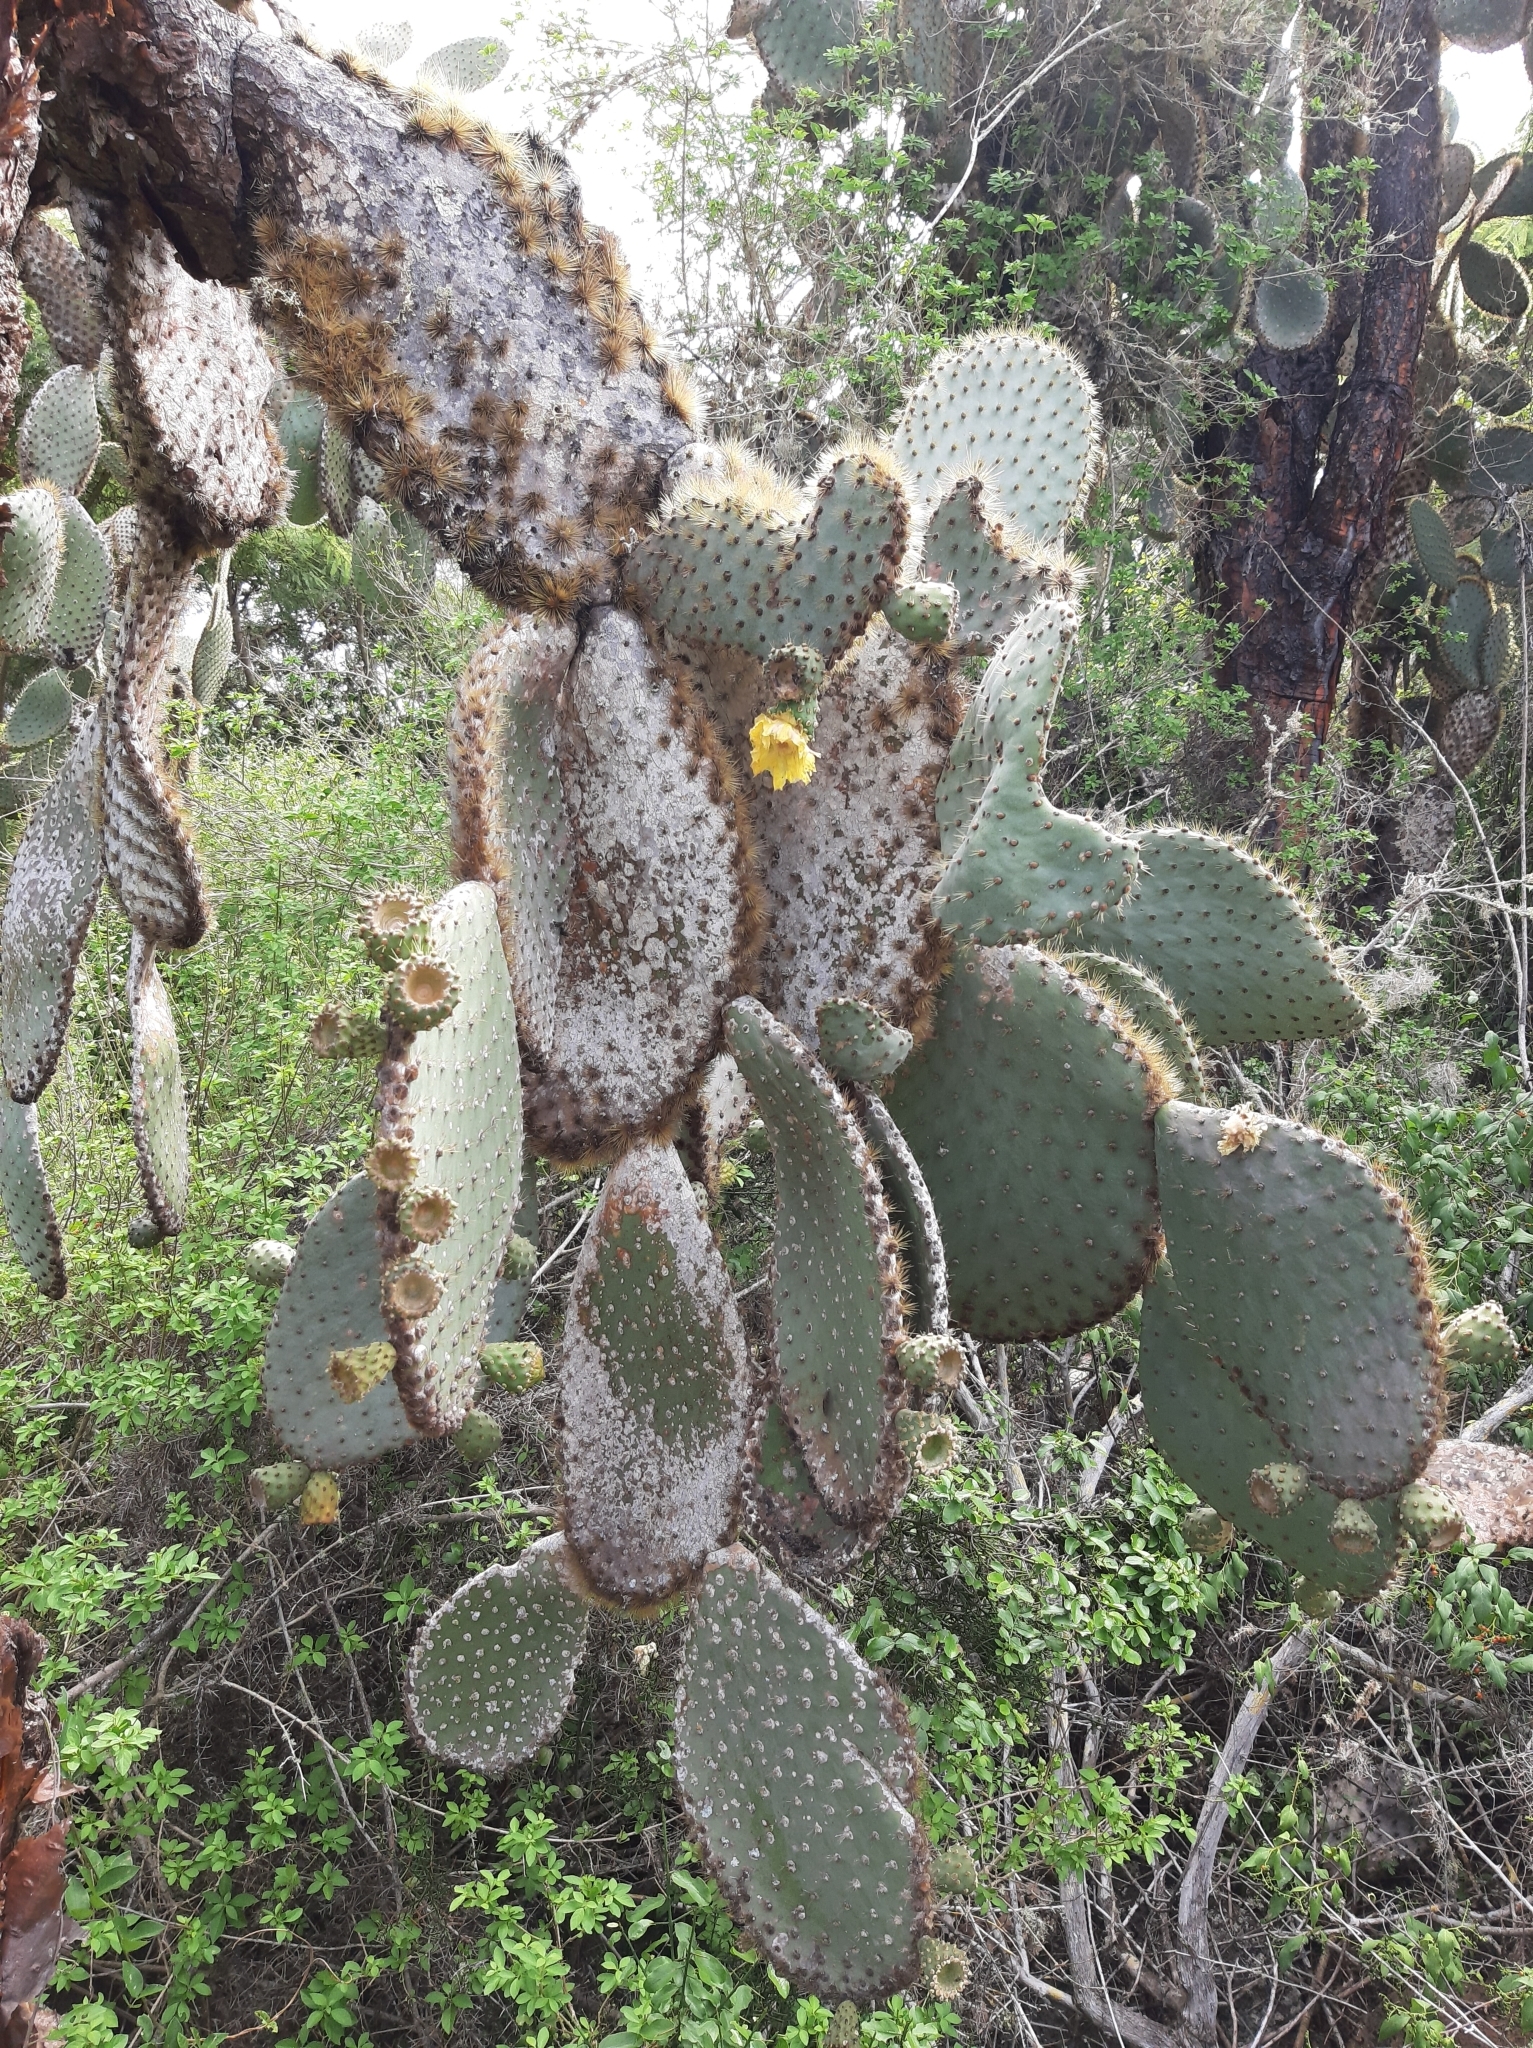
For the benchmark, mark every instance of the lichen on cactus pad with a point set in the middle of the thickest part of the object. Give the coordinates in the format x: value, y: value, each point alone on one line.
x: 1239, y: 953
x: 30, y: 554
x: 1028, y: 1110
x: 998, y: 573
x: 27, y: 1201
x: 797, y: 1778
x: 157, y: 1094
x: 1301, y: 1276
x: 454, y: 1094
x: 331, y: 1301
x: 654, y: 1387
x: 835, y: 1278
x: 491, y: 1674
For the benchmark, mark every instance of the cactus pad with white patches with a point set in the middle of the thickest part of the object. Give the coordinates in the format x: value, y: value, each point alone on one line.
x: 41, y: 712
x: 1242, y: 957
x: 49, y: 903
x: 724, y: 570
x: 997, y: 573
x: 30, y: 554
x: 654, y: 1387
x: 1020, y: 407
x: 330, y: 1301
x: 1029, y: 1111
x: 819, y: 1857
x: 82, y: 589
x: 492, y: 1671
x: 719, y: 1111
x: 1152, y: 1012
x: 157, y: 1094
x: 1299, y: 1274
x: 454, y: 1094
x: 27, y: 1201
x: 913, y: 1211
x: 835, y: 1278
x: 60, y: 434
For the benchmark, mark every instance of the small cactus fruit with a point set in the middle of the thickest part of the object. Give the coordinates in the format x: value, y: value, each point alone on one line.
x: 1431, y: 1518
x: 1353, y: 1530
x: 391, y: 923
x: 392, y: 1164
x: 357, y: 1369
x: 944, y: 1968
x: 422, y: 992
x: 845, y: 2029
x: 953, y: 1871
x: 1480, y: 1336
x: 516, y: 1367
x: 1205, y: 1531
x: 268, y: 1261
x: 929, y: 1442
x: 410, y: 1290
x: 520, y: 1260
x: 922, y: 612
x: 348, y: 1035
x: 1314, y: 1601
x: 858, y: 1043
x: 479, y: 1438
x: 320, y: 1502
x: 277, y: 1486
x: 929, y: 1362
x: 426, y: 1214
x: 1275, y: 1489
x: 146, y: 1231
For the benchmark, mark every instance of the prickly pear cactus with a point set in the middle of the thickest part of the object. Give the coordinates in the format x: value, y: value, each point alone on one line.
x: 785, y: 1511
x: 27, y: 1201
x: 157, y: 1094
x: 60, y: 434
x: 77, y: 616
x: 913, y: 1211
x: 1141, y: 997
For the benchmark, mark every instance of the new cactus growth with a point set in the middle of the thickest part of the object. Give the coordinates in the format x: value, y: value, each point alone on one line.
x: 275, y: 1487
x: 358, y: 1368
x: 268, y: 1261
x: 1481, y: 1336
x: 515, y: 1367
x: 1205, y: 1532
x: 421, y: 993
x: 922, y: 612
x: 930, y: 1362
x: 478, y: 1438
x: 1353, y: 1530
x: 1314, y: 1601
x: 859, y: 1044
x: 953, y: 1871
x: 348, y: 1035
x: 521, y: 1259
x: 391, y: 924
x: 319, y: 1504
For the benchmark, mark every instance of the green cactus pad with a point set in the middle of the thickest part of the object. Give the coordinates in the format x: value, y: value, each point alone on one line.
x: 275, y: 1487
x: 723, y: 570
x: 53, y: 271
x: 157, y: 1094
x: 796, y: 1780
x: 913, y: 1211
x: 491, y: 1674
x: 1205, y: 1532
x: 215, y: 643
x: 1493, y: 281
x: 977, y: 745
x: 1024, y: 870
x: 1481, y: 1336
x: 60, y: 435
x: 786, y: 1514
x: 835, y: 1282
x: 1020, y: 407
x: 478, y: 1439
x: 518, y: 1263
x: 41, y: 712
x: 1291, y: 304
x: 1028, y: 1111
x: 793, y: 38
x: 1277, y: 1489
x: 456, y: 1092
x: 1352, y: 1530
x: 1498, y: 651
x: 466, y: 66
x: 953, y: 1871
x: 1498, y: 387
x: 858, y: 1044
x: 82, y: 590
x: 1461, y: 629
x: 1239, y: 953
x: 1301, y: 1276
x: 299, y: 428
x: 922, y: 612
x: 517, y: 1368
x: 26, y: 1200
x: 654, y: 1387
x: 998, y: 574
x: 30, y: 555
x: 1214, y: 1439
x: 393, y: 561
x: 269, y: 1260
x: 1432, y: 543
x: 1150, y: 1008
x: 49, y: 903
x: 336, y: 488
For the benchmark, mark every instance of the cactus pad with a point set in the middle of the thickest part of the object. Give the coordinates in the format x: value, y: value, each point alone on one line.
x: 858, y: 1044
x: 1291, y: 304
x: 1432, y: 543
x: 720, y: 1110
x: 58, y: 440
x: 787, y: 1515
x: 1481, y: 1336
x: 913, y: 1211
x: 268, y: 1261
x: 793, y: 38
x: 1493, y: 281
x: 1491, y: 1486
x: 922, y: 612
x: 1042, y: 646
x: 49, y: 903
x: 215, y: 644
x: 1301, y: 1277
x: 275, y: 1487
x: 319, y: 1505
x: 1461, y: 629
x: 454, y: 1094
x: 654, y: 1387
x: 81, y: 590
x: 330, y: 1302
x: 491, y: 1674
x: 1028, y: 1110
x: 1239, y: 953
x: 1150, y: 1008
x: 478, y: 1439
x: 41, y: 712
x: 30, y: 555
x: 818, y: 1856
x: 26, y: 1200
x: 835, y: 1283
x: 465, y: 66
x: 157, y: 1096
x: 998, y: 573
x: 54, y: 272
x: 518, y: 1368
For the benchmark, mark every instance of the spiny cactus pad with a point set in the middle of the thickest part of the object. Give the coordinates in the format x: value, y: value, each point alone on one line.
x: 1481, y: 1336
x: 787, y: 1515
x: 1299, y: 1273
x: 49, y: 903
x: 26, y: 1200
x: 30, y: 555
x: 818, y: 1855
x: 1041, y: 646
x: 1153, y: 1013
x: 1432, y: 541
x: 215, y: 646
x: 1291, y: 304
x: 53, y: 271
x: 858, y: 1044
x: 82, y: 589
x: 913, y: 1212
x: 721, y: 570
x: 997, y: 573
x: 275, y: 1487
x: 1236, y: 948
x: 60, y: 432
x: 1025, y: 870
x: 922, y: 612
x: 157, y: 1095
x: 330, y: 1302
x: 1029, y: 1112
x: 835, y: 1282
x: 654, y: 1386
x: 1020, y: 407
x: 454, y: 1094
x: 794, y: 38
x: 41, y: 712
x: 491, y: 1673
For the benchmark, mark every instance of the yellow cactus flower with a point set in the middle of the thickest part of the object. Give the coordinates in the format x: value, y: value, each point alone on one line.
x: 779, y: 749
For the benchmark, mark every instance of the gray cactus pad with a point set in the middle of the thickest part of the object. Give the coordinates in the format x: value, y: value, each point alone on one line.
x: 41, y: 712
x: 796, y: 1777
x: 49, y: 904
x: 54, y: 272
x: 60, y: 433
x: 462, y: 1109
x: 30, y: 555
x: 1149, y: 1007
x: 785, y: 1512
x: 654, y: 1386
x: 1214, y: 1439
x: 1301, y: 1277
x: 492, y: 1671
x: 157, y: 1094
x: 77, y: 616
x: 835, y: 1283
x: 996, y: 573
x: 468, y: 65
x: 914, y: 1213
x: 1240, y: 954
x: 330, y: 1301
x: 28, y: 1204
x: 1028, y: 1110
